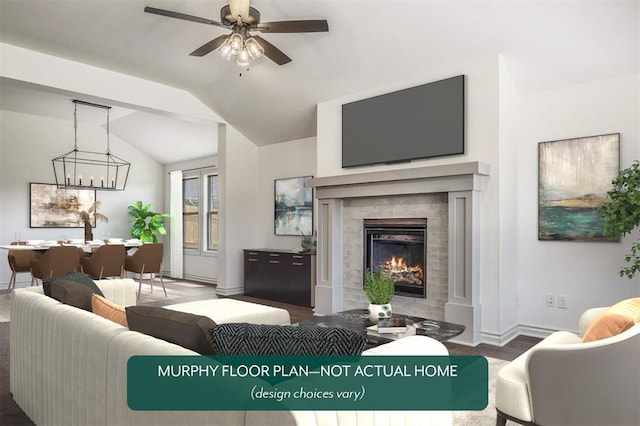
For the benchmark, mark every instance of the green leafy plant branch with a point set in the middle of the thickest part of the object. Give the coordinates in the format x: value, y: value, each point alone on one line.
x: 379, y: 286
x: 622, y: 213
x: 147, y: 224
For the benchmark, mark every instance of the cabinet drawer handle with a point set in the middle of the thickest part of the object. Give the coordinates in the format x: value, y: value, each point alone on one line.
x: 274, y: 255
x: 274, y: 261
x: 297, y: 257
x: 297, y: 263
x: 253, y: 260
x: 253, y: 253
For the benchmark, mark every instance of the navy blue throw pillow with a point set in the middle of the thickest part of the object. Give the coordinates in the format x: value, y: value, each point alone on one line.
x: 77, y: 277
x: 258, y: 339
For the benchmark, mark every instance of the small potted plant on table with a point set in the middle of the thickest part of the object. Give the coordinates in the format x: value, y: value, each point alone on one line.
x: 379, y: 288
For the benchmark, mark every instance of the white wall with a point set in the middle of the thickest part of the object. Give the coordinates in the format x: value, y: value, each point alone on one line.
x: 27, y: 145
x: 506, y: 319
x: 238, y: 207
x: 283, y: 160
x: 586, y: 272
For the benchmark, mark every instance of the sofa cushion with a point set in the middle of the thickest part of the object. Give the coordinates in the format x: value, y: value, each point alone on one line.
x: 71, y: 293
x: 78, y: 277
x: 260, y: 339
x: 85, y: 280
x: 109, y: 310
x: 187, y: 330
x: 618, y: 318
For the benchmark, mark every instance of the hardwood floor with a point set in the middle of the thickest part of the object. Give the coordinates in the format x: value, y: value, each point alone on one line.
x: 508, y: 352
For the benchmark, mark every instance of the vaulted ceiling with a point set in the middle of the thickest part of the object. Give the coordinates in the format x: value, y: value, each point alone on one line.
x: 370, y: 43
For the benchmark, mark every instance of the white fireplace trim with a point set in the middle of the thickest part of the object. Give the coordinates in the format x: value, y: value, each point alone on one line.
x: 462, y: 181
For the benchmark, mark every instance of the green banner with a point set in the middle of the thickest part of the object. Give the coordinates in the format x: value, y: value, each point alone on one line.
x: 307, y: 383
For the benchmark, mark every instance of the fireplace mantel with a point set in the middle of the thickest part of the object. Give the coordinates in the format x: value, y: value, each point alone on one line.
x: 422, y: 180
x: 463, y: 182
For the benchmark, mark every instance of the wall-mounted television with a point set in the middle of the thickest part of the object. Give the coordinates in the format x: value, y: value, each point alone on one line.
x: 415, y: 123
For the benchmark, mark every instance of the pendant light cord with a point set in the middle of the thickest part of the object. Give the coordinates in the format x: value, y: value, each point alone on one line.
x: 75, y: 126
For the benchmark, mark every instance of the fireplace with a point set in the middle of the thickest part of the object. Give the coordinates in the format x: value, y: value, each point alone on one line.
x: 398, y: 247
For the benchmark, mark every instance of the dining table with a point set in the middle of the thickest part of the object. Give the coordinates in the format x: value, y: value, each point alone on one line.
x: 89, y: 246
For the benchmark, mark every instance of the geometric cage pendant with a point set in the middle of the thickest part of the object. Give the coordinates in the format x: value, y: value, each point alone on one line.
x: 88, y: 169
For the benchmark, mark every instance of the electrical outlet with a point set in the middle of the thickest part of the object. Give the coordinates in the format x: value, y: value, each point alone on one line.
x: 551, y: 300
x: 562, y: 301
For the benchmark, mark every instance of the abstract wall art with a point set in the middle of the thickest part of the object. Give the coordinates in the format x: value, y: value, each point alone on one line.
x: 574, y: 176
x: 53, y: 207
x: 293, y: 206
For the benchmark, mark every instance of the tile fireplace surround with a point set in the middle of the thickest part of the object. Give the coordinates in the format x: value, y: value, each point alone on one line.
x: 449, y: 196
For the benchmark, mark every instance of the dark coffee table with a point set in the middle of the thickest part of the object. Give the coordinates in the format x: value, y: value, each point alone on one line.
x: 358, y: 320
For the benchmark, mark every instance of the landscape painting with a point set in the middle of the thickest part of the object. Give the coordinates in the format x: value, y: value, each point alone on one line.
x: 53, y: 207
x: 574, y: 177
x: 293, y: 206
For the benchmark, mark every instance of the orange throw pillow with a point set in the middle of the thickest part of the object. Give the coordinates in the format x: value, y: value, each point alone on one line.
x: 108, y: 310
x: 618, y: 318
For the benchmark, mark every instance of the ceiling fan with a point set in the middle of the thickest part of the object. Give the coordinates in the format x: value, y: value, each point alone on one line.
x: 241, y: 18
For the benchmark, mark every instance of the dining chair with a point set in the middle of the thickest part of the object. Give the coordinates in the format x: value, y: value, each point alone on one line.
x: 146, y: 260
x: 20, y: 262
x: 57, y: 261
x: 106, y: 261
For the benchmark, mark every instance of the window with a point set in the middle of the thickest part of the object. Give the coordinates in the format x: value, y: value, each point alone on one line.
x: 191, y: 213
x: 212, y: 212
x: 200, y: 210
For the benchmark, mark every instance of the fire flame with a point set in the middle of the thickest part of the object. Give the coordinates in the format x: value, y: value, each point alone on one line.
x: 397, y: 267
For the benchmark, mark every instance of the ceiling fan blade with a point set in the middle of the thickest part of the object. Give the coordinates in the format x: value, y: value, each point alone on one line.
x: 183, y: 16
x: 210, y: 46
x: 239, y: 8
x: 272, y: 52
x: 307, y: 26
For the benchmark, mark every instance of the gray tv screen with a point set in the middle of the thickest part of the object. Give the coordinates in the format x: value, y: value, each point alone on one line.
x: 419, y: 122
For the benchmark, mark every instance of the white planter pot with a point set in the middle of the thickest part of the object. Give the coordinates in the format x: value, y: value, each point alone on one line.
x: 379, y: 311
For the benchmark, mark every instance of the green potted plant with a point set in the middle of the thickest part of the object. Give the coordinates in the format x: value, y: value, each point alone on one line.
x: 379, y: 288
x: 622, y: 213
x: 147, y: 224
x: 308, y: 242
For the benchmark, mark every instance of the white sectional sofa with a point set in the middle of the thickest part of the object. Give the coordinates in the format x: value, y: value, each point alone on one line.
x: 68, y: 367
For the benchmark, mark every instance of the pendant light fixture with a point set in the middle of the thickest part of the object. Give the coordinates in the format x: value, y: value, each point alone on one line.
x: 89, y: 169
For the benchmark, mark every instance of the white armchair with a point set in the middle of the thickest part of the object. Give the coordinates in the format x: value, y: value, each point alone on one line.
x: 563, y: 381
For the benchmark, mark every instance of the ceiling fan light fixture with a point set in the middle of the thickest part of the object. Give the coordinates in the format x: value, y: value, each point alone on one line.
x: 243, y: 58
x: 254, y: 48
x: 225, y: 49
x: 236, y: 43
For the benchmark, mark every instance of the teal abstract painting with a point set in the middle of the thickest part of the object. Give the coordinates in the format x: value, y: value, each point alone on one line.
x: 574, y: 176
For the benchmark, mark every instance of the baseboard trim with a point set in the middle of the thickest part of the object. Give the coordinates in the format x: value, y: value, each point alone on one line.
x: 201, y: 278
x: 229, y: 291
x: 537, y: 331
x: 500, y: 339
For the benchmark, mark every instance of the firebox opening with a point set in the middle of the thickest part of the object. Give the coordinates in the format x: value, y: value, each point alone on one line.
x: 398, y: 246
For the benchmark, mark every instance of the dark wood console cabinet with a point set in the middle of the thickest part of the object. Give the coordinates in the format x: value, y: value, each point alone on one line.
x: 280, y: 275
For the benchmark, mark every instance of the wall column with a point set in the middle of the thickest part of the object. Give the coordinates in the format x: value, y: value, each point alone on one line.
x: 463, y: 306
x: 329, y: 298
